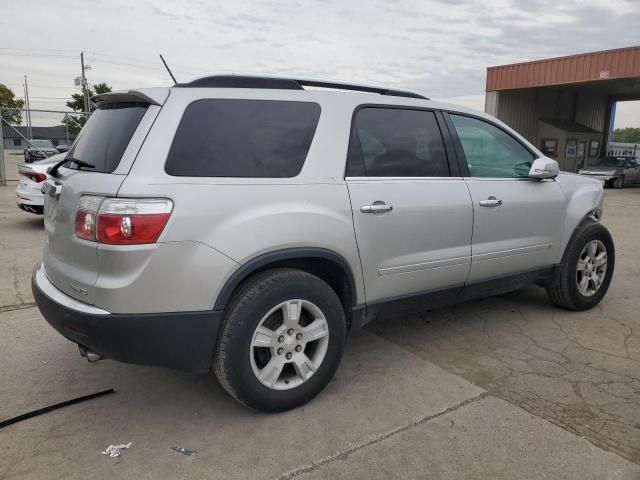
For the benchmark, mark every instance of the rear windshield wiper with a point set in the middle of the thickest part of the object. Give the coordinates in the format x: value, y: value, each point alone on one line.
x: 53, y: 171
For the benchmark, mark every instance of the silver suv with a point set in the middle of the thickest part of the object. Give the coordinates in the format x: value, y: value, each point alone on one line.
x: 247, y: 224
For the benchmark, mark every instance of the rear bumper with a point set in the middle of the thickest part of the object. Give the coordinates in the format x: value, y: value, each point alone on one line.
x: 26, y: 197
x: 180, y: 340
x: 27, y: 207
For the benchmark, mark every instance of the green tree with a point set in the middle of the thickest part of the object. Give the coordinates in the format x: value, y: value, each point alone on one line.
x: 626, y: 135
x: 8, y: 100
x: 76, y: 122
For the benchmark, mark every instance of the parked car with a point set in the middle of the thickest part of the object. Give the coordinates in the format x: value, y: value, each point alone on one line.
x: 615, y: 172
x: 245, y: 225
x: 39, y: 149
x: 62, y: 147
x: 29, y: 194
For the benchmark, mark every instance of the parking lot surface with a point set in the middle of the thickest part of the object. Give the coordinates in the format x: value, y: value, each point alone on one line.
x: 507, y: 387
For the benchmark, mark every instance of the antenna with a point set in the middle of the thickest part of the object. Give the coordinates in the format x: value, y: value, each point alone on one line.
x: 168, y: 70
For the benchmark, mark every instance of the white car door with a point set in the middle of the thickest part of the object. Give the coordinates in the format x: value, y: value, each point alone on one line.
x: 518, y: 222
x: 412, y: 217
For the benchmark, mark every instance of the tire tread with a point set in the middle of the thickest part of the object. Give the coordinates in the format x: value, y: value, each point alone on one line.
x: 234, y: 321
x: 559, y: 292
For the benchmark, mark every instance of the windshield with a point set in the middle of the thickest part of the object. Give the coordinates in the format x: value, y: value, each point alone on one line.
x: 42, y: 143
x: 610, y: 162
x: 106, y: 135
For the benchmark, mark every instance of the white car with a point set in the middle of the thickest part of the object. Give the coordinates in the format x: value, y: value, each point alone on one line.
x: 28, y: 193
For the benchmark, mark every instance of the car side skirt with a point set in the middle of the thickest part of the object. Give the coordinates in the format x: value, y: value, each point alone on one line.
x: 422, y: 301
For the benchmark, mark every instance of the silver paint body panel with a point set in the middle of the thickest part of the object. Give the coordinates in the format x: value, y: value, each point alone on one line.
x: 435, y: 237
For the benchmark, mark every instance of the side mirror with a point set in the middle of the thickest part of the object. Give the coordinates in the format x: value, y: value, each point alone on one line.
x: 544, y: 167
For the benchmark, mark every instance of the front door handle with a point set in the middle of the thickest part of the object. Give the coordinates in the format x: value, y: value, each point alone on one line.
x: 490, y: 202
x: 377, y: 207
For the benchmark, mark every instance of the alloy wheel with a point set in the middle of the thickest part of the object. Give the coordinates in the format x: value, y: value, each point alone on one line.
x: 289, y: 344
x: 591, y: 268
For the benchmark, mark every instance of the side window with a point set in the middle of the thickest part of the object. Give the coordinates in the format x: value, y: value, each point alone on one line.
x: 490, y: 151
x: 243, y: 138
x: 396, y: 142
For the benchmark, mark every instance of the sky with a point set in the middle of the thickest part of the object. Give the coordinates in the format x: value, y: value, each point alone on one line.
x: 440, y: 49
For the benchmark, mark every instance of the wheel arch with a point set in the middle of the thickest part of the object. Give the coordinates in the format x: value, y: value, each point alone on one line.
x: 592, y: 216
x: 585, y: 198
x: 328, y: 265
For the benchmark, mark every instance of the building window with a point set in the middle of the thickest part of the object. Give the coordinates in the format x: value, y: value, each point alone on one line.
x: 594, y: 148
x: 572, y: 149
x: 550, y: 147
x: 17, y: 142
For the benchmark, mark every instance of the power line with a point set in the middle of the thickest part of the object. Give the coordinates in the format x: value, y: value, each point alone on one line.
x: 40, y: 86
x: 38, y: 49
x: 42, y: 55
x: 51, y: 98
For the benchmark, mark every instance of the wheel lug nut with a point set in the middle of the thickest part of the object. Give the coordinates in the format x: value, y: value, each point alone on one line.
x: 298, y: 348
x: 280, y: 351
x: 289, y: 356
x: 298, y: 336
x: 280, y: 339
x: 290, y: 331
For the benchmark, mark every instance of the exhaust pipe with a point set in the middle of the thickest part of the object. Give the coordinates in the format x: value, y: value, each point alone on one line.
x: 91, y: 357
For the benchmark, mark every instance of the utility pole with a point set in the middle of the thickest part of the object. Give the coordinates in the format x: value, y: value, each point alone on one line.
x: 26, y: 97
x: 85, y: 88
x: 3, y: 173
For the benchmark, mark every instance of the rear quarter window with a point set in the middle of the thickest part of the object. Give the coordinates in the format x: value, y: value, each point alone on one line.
x: 243, y: 138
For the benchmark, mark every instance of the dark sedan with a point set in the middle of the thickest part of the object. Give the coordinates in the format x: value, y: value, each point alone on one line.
x: 39, y: 149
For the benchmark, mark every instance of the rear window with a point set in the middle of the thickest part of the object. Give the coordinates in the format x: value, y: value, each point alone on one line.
x: 243, y: 138
x: 104, y: 138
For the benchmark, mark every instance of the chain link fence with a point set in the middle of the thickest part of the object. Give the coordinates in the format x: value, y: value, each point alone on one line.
x: 31, y: 135
x: 623, y: 149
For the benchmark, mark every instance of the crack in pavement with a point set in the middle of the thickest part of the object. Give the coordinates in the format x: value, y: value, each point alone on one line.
x: 579, y: 371
x: 16, y: 279
x: 18, y: 306
x: 377, y: 439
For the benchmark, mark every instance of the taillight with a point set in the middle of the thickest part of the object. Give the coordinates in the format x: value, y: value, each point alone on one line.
x: 122, y: 221
x: 35, y: 176
x: 86, y: 217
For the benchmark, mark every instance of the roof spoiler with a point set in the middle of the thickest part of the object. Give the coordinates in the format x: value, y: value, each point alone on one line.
x: 153, y: 96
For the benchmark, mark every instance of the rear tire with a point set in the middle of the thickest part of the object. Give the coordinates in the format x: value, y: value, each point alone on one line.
x: 586, y: 270
x: 617, y: 182
x: 272, y: 364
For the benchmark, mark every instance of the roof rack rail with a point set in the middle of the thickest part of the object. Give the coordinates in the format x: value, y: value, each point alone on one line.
x: 278, y: 82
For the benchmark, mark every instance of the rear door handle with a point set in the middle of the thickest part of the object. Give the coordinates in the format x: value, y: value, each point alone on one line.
x: 490, y: 202
x: 377, y: 207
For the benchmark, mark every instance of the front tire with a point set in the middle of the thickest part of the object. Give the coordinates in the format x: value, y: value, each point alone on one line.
x: 586, y: 270
x: 282, y: 340
x: 617, y: 182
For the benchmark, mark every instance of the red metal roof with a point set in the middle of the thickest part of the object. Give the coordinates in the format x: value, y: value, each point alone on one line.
x: 586, y: 67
